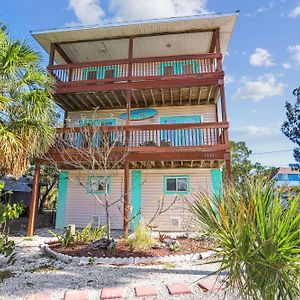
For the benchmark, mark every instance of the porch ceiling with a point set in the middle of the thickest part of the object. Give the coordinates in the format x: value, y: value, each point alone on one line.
x: 140, y: 98
x: 110, y: 41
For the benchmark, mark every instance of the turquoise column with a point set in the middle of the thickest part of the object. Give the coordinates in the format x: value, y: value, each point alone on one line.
x: 61, y: 199
x: 136, y: 193
x: 216, y: 182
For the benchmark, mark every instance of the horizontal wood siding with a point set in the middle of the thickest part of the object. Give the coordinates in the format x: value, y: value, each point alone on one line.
x: 81, y: 206
x: 153, y: 190
x: 207, y: 113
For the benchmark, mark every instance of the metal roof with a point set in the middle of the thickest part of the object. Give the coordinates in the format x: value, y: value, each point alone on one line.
x: 187, y: 35
x: 20, y: 185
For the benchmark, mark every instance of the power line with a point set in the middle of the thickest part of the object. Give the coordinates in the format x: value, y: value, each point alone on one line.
x: 275, y: 151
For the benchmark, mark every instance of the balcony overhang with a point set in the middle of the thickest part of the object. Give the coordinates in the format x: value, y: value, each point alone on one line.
x: 164, y: 37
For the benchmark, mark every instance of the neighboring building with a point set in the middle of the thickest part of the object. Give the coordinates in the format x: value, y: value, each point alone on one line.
x: 172, y: 70
x: 21, y: 190
x: 287, y: 177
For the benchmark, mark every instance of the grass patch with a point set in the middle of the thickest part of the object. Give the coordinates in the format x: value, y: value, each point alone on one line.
x: 43, y: 269
x: 29, y: 238
x: 167, y: 265
x: 5, y: 274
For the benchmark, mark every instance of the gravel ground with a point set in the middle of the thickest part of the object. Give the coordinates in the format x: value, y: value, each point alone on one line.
x: 58, y: 277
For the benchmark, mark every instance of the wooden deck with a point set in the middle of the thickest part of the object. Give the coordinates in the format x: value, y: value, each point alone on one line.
x: 147, y: 143
x: 155, y: 81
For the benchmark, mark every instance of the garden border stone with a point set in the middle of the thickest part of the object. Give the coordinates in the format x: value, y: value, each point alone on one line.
x: 85, y: 260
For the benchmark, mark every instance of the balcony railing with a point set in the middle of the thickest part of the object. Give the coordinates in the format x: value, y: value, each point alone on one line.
x: 138, y: 68
x: 192, y: 136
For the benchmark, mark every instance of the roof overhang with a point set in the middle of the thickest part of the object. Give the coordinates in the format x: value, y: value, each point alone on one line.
x: 185, y: 34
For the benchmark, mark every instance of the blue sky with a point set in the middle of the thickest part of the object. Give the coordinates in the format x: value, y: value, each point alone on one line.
x: 262, y: 64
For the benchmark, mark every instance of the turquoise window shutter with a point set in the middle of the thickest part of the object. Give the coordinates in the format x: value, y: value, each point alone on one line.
x: 216, y: 181
x: 136, y: 201
x: 61, y: 199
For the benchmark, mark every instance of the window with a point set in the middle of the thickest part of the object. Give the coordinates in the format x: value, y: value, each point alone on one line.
x: 91, y: 75
x: 176, y: 184
x: 109, y: 73
x: 98, y: 185
x: 168, y: 70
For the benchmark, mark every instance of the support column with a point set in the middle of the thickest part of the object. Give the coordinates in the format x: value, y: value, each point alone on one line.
x: 34, y: 200
x: 127, y: 204
x: 227, y: 165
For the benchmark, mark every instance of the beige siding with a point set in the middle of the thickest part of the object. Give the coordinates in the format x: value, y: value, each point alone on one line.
x: 207, y: 113
x: 81, y: 206
x: 153, y: 190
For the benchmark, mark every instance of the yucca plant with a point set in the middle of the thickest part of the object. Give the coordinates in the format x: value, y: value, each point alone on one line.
x: 257, y: 238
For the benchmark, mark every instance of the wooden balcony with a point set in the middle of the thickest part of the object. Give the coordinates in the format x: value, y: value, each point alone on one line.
x: 154, y: 143
x: 191, y: 79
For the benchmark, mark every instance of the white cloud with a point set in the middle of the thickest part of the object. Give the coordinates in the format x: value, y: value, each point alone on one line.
x: 262, y: 9
x: 261, y: 57
x: 87, y: 11
x: 295, y: 52
x: 145, y: 9
x: 295, y: 12
x: 263, y: 87
x: 286, y: 65
x: 257, y: 131
x: 91, y: 11
x: 228, y: 79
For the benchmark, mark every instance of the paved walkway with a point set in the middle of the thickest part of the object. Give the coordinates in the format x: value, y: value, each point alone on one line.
x: 38, y: 277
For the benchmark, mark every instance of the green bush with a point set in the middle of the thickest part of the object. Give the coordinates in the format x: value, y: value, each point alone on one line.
x: 89, y: 234
x: 65, y: 239
x: 141, y: 239
x: 257, y: 236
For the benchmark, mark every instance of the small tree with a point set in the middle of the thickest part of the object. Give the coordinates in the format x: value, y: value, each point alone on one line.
x: 242, y: 167
x: 97, y: 151
x: 291, y: 127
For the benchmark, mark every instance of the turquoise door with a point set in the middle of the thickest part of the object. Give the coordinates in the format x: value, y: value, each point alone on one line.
x: 136, y: 193
x: 181, y: 137
x: 100, y: 122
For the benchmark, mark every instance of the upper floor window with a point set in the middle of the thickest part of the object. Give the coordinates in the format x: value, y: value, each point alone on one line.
x: 98, y: 185
x: 91, y: 75
x: 109, y: 73
x: 168, y: 70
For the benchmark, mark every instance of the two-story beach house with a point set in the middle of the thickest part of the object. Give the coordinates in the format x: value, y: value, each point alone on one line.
x: 160, y: 85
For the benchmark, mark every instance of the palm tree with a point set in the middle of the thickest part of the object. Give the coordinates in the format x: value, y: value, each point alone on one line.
x: 27, y: 111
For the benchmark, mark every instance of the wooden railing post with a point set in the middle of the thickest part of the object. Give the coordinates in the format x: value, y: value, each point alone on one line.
x: 34, y: 200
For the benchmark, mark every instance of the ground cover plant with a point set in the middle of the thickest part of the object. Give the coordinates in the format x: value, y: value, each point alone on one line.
x: 257, y: 238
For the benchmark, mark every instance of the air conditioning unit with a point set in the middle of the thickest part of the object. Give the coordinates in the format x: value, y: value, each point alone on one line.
x: 95, y: 221
x: 175, y: 221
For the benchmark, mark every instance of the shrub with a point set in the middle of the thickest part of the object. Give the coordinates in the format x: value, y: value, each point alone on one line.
x: 141, y: 239
x: 257, y: 238
x: 65, y: 239
x: 89, y: 234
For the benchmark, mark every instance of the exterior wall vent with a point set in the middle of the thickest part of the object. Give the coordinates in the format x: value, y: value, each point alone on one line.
x: 95, y: 221
x: 175, y: 221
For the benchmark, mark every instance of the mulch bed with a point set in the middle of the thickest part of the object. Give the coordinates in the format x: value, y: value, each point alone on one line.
x: 187, y: 246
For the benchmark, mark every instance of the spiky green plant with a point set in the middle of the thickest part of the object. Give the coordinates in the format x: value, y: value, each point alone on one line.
x: 257, y: 236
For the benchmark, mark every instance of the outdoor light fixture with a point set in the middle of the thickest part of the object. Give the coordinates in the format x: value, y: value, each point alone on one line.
x: 168, y: 44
